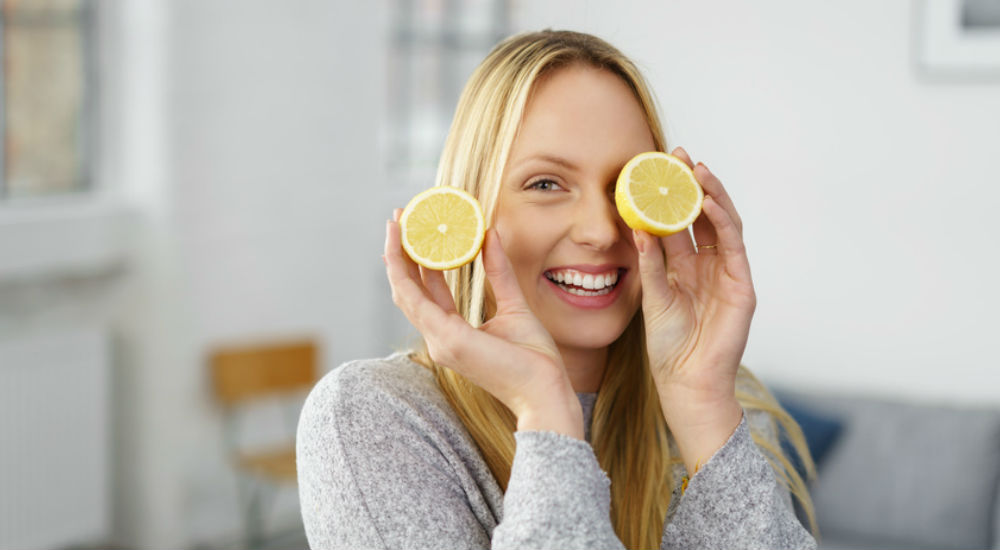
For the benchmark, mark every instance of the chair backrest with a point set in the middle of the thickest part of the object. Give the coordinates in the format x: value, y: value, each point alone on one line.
x: 250, y: 372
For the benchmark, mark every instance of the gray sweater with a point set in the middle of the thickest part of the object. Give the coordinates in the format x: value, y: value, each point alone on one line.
x: 384, y: 462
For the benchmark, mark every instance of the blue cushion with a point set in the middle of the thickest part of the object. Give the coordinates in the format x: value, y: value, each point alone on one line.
x: 821, y: 431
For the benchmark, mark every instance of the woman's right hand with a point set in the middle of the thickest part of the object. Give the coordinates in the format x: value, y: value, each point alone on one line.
x: 511, y: 355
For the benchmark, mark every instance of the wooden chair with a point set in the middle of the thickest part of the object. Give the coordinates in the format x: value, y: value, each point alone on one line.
x: 248, y: 375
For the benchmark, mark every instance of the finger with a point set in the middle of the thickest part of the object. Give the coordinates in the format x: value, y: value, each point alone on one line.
x: 713, y: 187
x: 412, y: 268
x: 397, y: 262
x: 701, y: 229
x: 500, y: 274
x: 408, y: 291
x: 678, y: 245
x: 656, y: 292
x: 704, y: 233
x: 680, y: 153
x: 730, y: 240
x: 438, y: 289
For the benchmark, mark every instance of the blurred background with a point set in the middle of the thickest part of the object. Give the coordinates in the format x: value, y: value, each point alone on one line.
x: 193, y: 184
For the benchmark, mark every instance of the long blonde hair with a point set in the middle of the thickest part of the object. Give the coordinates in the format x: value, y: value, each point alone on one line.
x: 630, y: 436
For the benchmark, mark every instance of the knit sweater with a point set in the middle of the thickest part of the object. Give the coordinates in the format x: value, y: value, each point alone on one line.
x: 384, y: 462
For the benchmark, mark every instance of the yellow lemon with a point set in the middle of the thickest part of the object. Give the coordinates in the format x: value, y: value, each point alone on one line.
x: 658, y: 194
x: 442, y: 228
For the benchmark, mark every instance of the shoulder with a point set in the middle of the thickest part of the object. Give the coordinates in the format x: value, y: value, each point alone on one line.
x: 379, y: 450
x: 374, y: 389
x: 396, y: 374
x: 370, y: 407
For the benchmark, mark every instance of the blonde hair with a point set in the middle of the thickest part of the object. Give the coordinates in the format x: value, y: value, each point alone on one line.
x: 630, y: 436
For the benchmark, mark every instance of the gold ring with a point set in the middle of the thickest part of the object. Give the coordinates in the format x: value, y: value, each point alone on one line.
x: 708, y: 246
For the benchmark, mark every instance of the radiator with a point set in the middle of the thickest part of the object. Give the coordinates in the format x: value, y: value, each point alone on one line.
x: 54, y: 439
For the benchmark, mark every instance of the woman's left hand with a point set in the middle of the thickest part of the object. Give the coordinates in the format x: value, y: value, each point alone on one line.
x: 697, y: 306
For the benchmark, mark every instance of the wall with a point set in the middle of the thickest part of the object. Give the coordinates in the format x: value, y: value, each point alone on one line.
x: 865, y: 188
x: 247, y: 139
x: 274, y: 117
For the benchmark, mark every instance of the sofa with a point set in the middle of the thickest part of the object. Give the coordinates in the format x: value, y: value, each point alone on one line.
x: 900, y: 474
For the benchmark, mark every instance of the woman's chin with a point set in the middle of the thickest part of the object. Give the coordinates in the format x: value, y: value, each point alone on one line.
x: 587, y: 338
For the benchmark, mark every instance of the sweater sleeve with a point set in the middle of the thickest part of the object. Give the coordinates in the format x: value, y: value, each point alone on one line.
x: 735, y: 501
x: 557, y: 497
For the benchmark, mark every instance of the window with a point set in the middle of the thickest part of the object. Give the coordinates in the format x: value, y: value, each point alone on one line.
x: 435, y: 45
x: 47, y: 97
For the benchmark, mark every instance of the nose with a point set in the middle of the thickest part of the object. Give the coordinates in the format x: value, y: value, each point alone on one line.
x: 596, y: 222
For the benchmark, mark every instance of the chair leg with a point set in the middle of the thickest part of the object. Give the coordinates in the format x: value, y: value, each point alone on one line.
x: 250, y: 494
x: 258, y: 498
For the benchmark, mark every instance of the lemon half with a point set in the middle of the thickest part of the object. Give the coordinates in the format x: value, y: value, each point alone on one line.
x: 658, y: 193
x: 442, y: 228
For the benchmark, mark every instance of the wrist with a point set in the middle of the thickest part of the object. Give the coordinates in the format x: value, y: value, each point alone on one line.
x: 558, y: 412
x: 686, y: 402
x: 700, y: 424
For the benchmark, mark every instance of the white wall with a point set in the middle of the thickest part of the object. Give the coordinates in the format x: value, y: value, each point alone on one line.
x: 867, y: 191
x: 274, y: 117
x: 248, y: 135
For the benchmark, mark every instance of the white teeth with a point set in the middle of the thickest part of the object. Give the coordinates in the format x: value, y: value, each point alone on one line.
x: 580, y: 292
x: 585, y: 281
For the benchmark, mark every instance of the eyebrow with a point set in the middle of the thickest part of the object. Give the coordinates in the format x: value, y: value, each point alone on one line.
x: 554, y: 159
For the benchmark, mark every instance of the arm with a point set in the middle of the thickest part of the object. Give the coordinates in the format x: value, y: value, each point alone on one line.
x: 558, y: 496
x: 735, y: 501
x: 698, y: 300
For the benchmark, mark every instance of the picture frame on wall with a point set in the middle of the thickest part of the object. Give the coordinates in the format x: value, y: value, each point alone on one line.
x: 958, y: 39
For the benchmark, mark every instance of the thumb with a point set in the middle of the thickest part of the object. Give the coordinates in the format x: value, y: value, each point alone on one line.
x: 500, y: 274
x: 656, y: 293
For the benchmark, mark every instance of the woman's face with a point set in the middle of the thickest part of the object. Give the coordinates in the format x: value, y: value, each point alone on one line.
x: 573, y: 255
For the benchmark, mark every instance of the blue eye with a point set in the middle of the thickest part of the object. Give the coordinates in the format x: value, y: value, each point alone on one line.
x: 544, y: 185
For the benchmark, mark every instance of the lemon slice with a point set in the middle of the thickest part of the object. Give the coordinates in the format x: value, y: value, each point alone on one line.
x: 658, y: 194
x: 442, y: 228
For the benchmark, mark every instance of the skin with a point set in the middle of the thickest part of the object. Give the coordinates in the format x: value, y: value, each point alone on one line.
x: 536, y: 351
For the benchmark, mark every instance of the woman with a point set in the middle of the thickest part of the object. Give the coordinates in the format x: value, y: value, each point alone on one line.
x: 580, y: 383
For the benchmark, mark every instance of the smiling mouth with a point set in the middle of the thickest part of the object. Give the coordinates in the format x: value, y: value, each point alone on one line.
x: 585, y: 284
